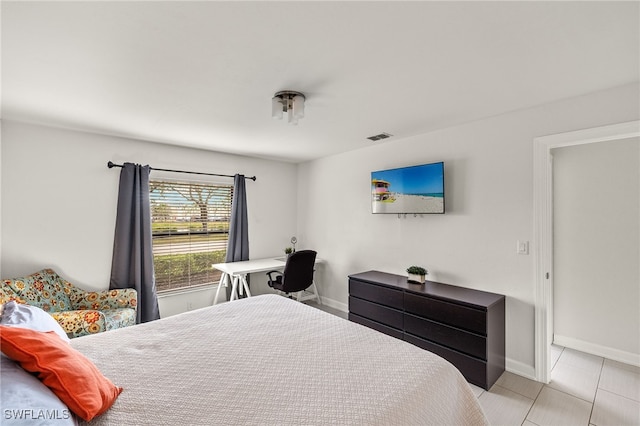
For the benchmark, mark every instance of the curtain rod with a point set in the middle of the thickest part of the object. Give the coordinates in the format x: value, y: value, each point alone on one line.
x: 111, y: 165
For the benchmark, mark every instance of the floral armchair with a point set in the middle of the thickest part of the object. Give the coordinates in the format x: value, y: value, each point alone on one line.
x: 79, y: 312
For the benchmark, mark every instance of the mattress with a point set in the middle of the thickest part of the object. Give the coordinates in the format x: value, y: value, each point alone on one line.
x: 268, y: 360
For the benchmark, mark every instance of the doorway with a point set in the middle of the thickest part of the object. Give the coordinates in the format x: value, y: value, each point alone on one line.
x: 543, y: 228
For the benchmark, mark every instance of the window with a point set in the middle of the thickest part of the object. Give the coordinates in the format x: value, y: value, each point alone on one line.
x: 190, y: 228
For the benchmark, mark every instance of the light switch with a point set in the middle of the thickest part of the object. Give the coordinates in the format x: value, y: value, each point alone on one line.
x: 522, y: 247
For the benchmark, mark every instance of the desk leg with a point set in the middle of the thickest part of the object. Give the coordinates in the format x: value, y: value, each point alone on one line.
x: 315, y: 291
x: 224, y: 279
x: 234, y: 288
x: 245, y: 284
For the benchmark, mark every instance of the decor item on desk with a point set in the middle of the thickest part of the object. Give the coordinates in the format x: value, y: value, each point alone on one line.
x: 416, y: 274
x: 288, y: 251
x: 294, y: 240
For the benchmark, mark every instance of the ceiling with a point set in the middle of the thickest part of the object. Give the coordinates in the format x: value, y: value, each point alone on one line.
x: 202, y: 74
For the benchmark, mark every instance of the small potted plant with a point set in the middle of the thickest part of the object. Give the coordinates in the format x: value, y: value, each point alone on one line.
x: 416, y: 274
x: 288, y: 251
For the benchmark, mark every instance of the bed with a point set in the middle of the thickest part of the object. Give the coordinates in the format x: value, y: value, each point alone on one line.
x: 269, y: 360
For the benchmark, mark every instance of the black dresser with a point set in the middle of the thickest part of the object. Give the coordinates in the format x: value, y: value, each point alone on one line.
x: 464, y: 326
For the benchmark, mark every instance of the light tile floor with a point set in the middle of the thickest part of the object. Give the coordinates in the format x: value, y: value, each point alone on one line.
x: 585, y: 390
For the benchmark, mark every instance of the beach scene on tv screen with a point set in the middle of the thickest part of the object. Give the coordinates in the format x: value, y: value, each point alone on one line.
x: 417, y: 189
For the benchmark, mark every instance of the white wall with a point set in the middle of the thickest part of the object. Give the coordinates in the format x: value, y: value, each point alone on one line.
x: 597, y: 246
x: 1, y: 132
x: 489, y: 198
x: 59, y: 201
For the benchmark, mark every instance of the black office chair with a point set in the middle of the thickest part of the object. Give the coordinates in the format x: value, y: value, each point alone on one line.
x: 297, y: 275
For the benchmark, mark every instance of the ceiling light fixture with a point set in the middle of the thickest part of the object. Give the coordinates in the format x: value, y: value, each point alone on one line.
x: 290, y: 102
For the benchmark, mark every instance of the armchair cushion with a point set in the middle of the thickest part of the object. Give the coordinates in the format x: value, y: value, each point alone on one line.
x: 118, y: 318
x: 8, y: 295
x: 80, y: 322
x: 78, y: 312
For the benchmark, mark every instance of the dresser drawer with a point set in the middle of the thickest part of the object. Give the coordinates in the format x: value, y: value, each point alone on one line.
x: 460, y: 340
x: 448, y: 313
x: 394, y: 332
x: 376, y: 293
x: 462, y: 325
x: 473, y: 369
x: 387, y: 316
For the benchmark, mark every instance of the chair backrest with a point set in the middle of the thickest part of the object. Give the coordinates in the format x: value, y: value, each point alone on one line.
x: 298, y: 271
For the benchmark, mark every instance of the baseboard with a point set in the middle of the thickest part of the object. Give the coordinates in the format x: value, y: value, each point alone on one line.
x: 335, y: 304
x: 599, y: 350
x: 520, y: 368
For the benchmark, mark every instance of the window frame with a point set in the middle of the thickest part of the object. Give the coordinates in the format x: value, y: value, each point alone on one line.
x: 186, y: 286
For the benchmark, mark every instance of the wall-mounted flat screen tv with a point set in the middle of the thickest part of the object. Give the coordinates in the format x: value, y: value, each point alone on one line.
x: 415, y: 189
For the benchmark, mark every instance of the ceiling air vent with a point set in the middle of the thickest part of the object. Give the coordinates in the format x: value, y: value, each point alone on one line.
x: 380, y: 136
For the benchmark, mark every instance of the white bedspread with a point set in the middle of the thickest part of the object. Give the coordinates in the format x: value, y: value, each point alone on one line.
x: 267, y: 360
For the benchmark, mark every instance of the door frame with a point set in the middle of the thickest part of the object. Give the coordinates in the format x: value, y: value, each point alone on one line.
x: 543, y: 227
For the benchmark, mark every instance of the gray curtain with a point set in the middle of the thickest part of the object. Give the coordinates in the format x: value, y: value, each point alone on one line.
x: 132, y: 264
x: 238, y: 246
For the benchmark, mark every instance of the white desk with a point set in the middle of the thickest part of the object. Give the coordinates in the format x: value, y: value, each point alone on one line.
x: 237, y: 273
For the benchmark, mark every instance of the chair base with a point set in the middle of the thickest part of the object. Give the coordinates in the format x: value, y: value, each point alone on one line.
x: 304, y: 295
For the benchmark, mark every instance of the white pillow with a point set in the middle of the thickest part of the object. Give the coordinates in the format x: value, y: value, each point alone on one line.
x: 27, y: 316
x: 25, y: 400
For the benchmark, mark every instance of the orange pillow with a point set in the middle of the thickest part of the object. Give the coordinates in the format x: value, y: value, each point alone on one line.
x: 69, y: 374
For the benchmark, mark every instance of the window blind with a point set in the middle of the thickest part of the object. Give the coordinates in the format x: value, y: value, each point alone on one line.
x: 190, y: 228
